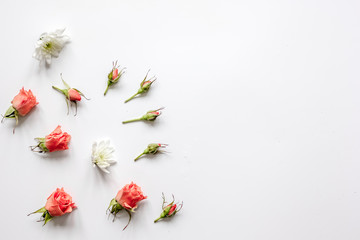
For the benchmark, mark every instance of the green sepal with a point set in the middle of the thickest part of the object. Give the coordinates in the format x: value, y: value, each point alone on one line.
x: 41, y: 210
x: 110, y: 75
x: 114, y: 207
x: 47, y: 217
x: 10, y: 113
x: 41, y: 145
x: 145, y: 88
x: 63, y: 91
x: 65, y: 84
x: 142, y: 82
x: 81, y: 93
x: 166, y: 211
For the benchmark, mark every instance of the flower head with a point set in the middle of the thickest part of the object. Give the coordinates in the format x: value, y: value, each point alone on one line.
x: 127, y: 199
x: 24, y: 102
x: 21, y: 105
x: 169, y: 210
x: 49, y: 45
x: 102, y: 155
x: 57, y: 140
x: 144, y: 86
x: 57, y: 204
x: 129, y: 196
x: 72, y: 95
x: 114, y: 76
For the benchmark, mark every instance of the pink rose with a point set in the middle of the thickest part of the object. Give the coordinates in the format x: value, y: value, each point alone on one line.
x: 74, y: 95
x: 57, y: 140
x: 129, y: 195
x: 24, y: 102
x: 59, y: 203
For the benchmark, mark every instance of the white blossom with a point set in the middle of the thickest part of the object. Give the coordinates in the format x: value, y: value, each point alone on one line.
x: 49, y: 45
x: 102, y: 155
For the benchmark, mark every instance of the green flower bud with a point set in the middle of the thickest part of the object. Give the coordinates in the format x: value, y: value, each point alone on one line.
x: 72, y: 95
x: 149, y: 116
x: 144, y: 86
x: 152, y: 148
x: 114, y: 76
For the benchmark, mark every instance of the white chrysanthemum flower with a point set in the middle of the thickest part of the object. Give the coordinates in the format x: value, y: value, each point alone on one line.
x: 49, y: 45
x: 102, y: 155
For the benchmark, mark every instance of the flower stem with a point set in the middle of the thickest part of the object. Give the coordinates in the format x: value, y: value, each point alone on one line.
x: 131, y: 97
x: 157, y: 219
x: 132, y: 120
x: 107, y: 88
x: 139, y: 156
x: 129, y: 219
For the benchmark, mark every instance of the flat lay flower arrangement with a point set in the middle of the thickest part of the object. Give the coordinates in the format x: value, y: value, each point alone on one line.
x: 48, y: 46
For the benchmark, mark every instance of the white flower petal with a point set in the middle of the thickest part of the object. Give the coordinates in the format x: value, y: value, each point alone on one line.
x: 49, y: 45
x: 102, y: 155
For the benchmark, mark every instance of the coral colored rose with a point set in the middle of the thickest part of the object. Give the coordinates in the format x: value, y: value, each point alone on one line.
x: 24, y: 102
x: 57, y: 140
x: 74, y: 95
x: 129, y: 195
x: 59, y: 203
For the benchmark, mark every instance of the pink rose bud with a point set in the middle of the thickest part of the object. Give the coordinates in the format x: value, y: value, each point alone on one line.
x: 72, y: 95
x: 114, y: 76
x: 57, y: 204
x: 147, y: 84
x: 21, y: 105
x: 149, y: 116
x: 152, y: 148
x: 170, y: 209
x: 144, y: 86
x: 127, y: 199
x: 55, y: 141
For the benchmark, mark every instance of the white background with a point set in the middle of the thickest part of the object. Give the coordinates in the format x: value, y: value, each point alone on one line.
x: 262, y: 118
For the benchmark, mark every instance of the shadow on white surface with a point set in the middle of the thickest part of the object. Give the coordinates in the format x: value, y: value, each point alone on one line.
x: 56, y: 156
x: 11, y: 122
x: 66, y: 220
